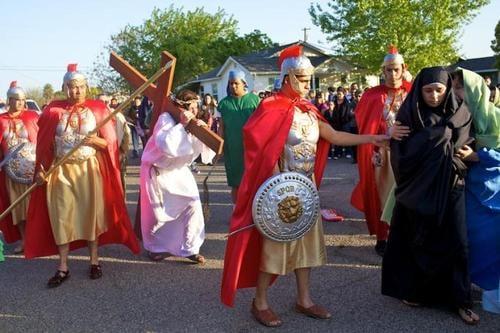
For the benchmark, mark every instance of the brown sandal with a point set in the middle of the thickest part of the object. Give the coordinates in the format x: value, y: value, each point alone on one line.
x: 95, y: 272
x: 197, y: 258
x: 266, y: 317
x: 58, y: 279
x: 315, y: 311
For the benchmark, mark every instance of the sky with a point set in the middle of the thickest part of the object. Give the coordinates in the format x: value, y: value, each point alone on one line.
x: 39, y: 38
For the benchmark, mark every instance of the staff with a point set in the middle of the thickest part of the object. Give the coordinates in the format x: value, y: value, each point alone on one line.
x: 93, y: 132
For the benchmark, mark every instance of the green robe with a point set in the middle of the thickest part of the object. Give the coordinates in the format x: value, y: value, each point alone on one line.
x: 1, y: 251
x: 235, y: 112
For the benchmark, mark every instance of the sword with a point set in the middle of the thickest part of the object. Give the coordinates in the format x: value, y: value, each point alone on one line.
x: 12, y: 153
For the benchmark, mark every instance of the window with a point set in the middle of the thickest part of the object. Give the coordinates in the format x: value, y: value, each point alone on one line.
x: 215, y: 91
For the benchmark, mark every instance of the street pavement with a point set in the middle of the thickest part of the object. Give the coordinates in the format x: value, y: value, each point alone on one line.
x: 137, y: 295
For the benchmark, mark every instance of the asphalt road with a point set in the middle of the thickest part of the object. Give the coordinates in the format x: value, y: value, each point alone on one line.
x: 137, y: 295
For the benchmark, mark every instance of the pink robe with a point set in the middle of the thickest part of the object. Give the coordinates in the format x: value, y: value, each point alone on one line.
x: 171, y: 212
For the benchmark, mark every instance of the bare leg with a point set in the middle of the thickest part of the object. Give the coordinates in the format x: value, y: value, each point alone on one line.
x: 263, y: 282
x: 303, y: 293
x: 21, y: 227
x: 94, y: 258
x: 234, y: 194
x: 63, y: 257
x: 305, y: 304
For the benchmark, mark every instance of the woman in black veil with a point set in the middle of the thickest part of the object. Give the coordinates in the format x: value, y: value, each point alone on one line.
x: 426, y: 260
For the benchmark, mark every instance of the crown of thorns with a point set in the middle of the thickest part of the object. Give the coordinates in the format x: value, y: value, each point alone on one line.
x: 183, y: 103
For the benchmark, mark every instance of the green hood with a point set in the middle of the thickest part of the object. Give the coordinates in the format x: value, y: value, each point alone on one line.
x: 486, y: 116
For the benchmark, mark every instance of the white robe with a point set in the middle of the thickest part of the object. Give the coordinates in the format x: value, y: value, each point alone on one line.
x: 171, y: 213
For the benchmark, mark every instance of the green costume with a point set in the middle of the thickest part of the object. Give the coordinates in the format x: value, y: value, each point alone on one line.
x: 1, y: 251
x: 235, y: 112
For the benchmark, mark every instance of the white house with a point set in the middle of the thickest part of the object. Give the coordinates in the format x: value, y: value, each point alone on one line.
x: 261, y: 69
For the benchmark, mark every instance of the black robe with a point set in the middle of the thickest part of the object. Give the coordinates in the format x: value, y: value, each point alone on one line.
x: 426, y: 259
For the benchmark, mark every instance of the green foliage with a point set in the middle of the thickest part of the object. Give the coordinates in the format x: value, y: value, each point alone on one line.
x: 199, y: 40
x: 426, y: 32
x: 495, y: 44
x: 35, y: 94
x: 48, y: 93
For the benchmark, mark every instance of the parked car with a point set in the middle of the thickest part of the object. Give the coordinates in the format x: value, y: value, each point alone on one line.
x: 32, y: 105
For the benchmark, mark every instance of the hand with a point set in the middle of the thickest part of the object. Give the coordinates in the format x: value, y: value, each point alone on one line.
x: 467, y: 154
x: 201, y: 123
x: 398, y: 131
x: 185, y: 117
x: 40, y: 178
x: 95, y: 142
x: 380, y: 140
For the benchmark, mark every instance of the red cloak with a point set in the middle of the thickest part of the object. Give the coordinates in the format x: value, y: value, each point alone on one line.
x: 369, y: 117
x: 264, y: 137
x: 39, y: 238
x: 29, y: 119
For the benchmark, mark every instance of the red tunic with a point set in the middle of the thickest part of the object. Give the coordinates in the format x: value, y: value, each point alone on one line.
x: 39, y: 239
x: 264, y: 137
x: 29, y: 119
x: 370, y: 120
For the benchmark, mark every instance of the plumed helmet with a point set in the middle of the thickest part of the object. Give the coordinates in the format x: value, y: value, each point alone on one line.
x: 73, y: 75
x: 293, y: 61
x: 15, y: 91
x: 393, y: 57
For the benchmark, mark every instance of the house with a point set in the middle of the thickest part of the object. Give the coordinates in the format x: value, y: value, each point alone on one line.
x: 261, y: 69
x: 484, y: 66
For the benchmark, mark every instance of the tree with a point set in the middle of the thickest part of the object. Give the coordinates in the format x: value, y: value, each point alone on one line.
x: 495, y: 44
x: 35, y: 94
x: 426, y: 32
x: 199, y: 40
x: 48, y: 93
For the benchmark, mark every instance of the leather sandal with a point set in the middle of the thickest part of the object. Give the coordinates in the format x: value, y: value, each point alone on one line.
x: 197, y: 258
x: 95, y: 272
x: 58, y: 278
x: 315, y: 311
x: 468, y: 316
x: 266, y: 317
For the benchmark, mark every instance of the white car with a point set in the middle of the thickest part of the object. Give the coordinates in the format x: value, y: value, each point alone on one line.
x: 32, y: 105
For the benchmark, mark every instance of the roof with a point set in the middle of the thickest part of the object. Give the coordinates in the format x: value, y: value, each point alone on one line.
x: 264, y: 61
x: 485, y: 64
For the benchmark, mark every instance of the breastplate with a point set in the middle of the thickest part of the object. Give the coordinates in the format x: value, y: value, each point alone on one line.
x: 299, y: 153
x: 71, y: 129
x: 21, y: 164
x: 391, y: 106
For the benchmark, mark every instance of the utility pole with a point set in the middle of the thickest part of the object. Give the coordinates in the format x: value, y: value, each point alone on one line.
x: 305, y: 33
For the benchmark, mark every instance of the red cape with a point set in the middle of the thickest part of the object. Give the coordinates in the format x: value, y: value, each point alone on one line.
x: 369, y: 117
x: 30, y: 119
x: 264, y: 137
x: 39, y: 238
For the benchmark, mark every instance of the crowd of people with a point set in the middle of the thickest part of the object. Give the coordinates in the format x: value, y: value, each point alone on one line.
x: 428, y: 155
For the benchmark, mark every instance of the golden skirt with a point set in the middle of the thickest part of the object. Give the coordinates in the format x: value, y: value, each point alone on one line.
x: 282, y: 258
x: 75, y: 200
x: 15, y: 189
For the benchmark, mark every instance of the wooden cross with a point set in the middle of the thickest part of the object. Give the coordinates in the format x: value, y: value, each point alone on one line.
x: 159, y: 94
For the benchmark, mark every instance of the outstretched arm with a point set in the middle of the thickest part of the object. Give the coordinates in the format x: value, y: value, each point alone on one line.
x: 347, y: 139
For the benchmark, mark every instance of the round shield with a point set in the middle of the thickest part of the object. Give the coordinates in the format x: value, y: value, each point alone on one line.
x: 286, y: 206
x: 21, y: 166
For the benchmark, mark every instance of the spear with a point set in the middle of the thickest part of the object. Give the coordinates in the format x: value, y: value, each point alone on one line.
x: 63, y: 159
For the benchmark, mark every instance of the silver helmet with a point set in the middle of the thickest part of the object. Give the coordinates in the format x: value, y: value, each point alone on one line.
x: 73, y: 75
x: 15, y: 91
